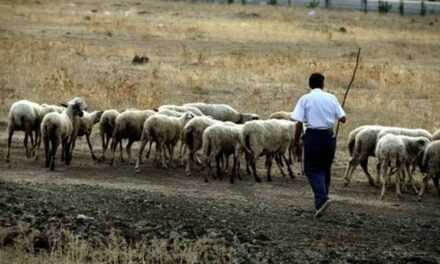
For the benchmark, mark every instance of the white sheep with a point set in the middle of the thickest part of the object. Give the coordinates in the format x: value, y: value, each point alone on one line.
x: 165, y: 131
x: 181, y: 109
x: 411, y: 132
x: 86, y: 123
x: 352, y: 137
x: 128, y: 125
x: 107, y: 124
x: 169, y: 112
x: 26, y: 116
x: 391, y: 153
x: 220, y: 141
x: 58, y: 128
x: 271, y: 137
x: 192, y: 136
x: 431, y: 167
x: 397, y: 151
x: 224, y: 112
x: 281, y: 115
x: 365, y: 145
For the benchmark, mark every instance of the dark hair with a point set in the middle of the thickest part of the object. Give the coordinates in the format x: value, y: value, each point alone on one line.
x: 316, y: 80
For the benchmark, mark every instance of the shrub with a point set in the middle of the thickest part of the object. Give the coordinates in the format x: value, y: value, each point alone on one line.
x: 423, y: 8
x: 313, y: 4
x: 401, y: 7
x: 384, y: 7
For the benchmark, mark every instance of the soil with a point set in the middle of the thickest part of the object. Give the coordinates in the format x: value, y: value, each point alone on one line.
x: 268, y: 222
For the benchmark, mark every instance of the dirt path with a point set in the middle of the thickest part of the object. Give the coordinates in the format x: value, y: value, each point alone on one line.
x: 272, y: 221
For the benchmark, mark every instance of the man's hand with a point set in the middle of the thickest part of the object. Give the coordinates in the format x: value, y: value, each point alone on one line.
x: 343, y: 119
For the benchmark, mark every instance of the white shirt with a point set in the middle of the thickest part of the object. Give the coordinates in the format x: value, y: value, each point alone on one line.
x: 319, y: 109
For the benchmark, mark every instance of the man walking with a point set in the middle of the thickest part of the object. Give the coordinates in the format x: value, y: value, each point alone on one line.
x: 320, y: 111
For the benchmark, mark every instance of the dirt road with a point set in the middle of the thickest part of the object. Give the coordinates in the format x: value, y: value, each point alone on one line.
x: 266, y: 222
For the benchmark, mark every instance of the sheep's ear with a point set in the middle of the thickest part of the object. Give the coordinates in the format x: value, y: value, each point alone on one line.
x: 63, y: 104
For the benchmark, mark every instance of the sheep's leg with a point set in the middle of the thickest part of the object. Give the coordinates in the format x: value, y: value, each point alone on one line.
x: 238, y: 168
x: 411, y: 180
x: 269, y: 167
x: 162, y: 155
x: 158, y: 155
x: 33, y: 142
x: 104, y: 142
x: 149, y: 150
x: 55, y: 143
x: 248, y: 163
x: 65, y: 150
x: 139, y: 158
x: 226, y: 168
x: 113, y: 149
x: 290, y: 160
x: 189, y: 163
x: 10, y: 134
x: 25, y: 143
x: 280, y: 164
x: 234, y: 168
x: 213, y: 157
x: 364, y: 166
x: 383, y: 178
x: 121, y: 151
x: 279, y: 160
x: 182, y: 148
x: 128, y: 149
x: 68, y: 151
x: 218, y: 160
x: 425, y: 182
x: 37, y: 143
x: 90, y: 147
x: 46, y: 145
x: 289, y: 169
x: 378, y: 169
x: 254, y: 168
x: 72, y: 145
x: 349, y: 171
x: 171, y: 152
x: 401, y: 172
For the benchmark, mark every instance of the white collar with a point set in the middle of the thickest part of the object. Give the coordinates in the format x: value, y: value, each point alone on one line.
x: 316, y: 90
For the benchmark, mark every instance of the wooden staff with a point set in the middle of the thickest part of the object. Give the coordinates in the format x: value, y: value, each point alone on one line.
x: 348, y: 88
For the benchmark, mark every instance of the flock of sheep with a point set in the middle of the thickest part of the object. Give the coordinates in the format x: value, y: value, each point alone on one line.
x: 398, y: 150
x: 205, y: 134
x: 212, y: 133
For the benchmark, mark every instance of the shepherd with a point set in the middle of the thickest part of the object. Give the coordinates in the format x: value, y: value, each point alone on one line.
x: 318, y: 112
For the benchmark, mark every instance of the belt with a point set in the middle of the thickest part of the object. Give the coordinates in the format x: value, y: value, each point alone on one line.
x: 319, y: 129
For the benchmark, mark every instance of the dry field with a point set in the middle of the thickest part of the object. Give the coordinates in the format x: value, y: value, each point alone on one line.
x: 255, y: 58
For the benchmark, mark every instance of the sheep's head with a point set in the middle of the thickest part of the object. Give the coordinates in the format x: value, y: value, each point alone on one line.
x: 80, y: 101
x: 417, y: 147
x: 187, y: 116
x: 245, y: 117
x: 76, y: 108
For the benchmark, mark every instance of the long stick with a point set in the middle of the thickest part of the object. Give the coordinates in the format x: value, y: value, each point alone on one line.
x: 348, y: 88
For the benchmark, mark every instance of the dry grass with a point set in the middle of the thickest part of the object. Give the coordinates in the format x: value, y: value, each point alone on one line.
x: 255, y: 58
x: 67, y: 248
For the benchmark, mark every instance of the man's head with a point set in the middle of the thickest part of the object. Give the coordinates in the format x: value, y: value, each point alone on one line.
x: 316, y: 80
